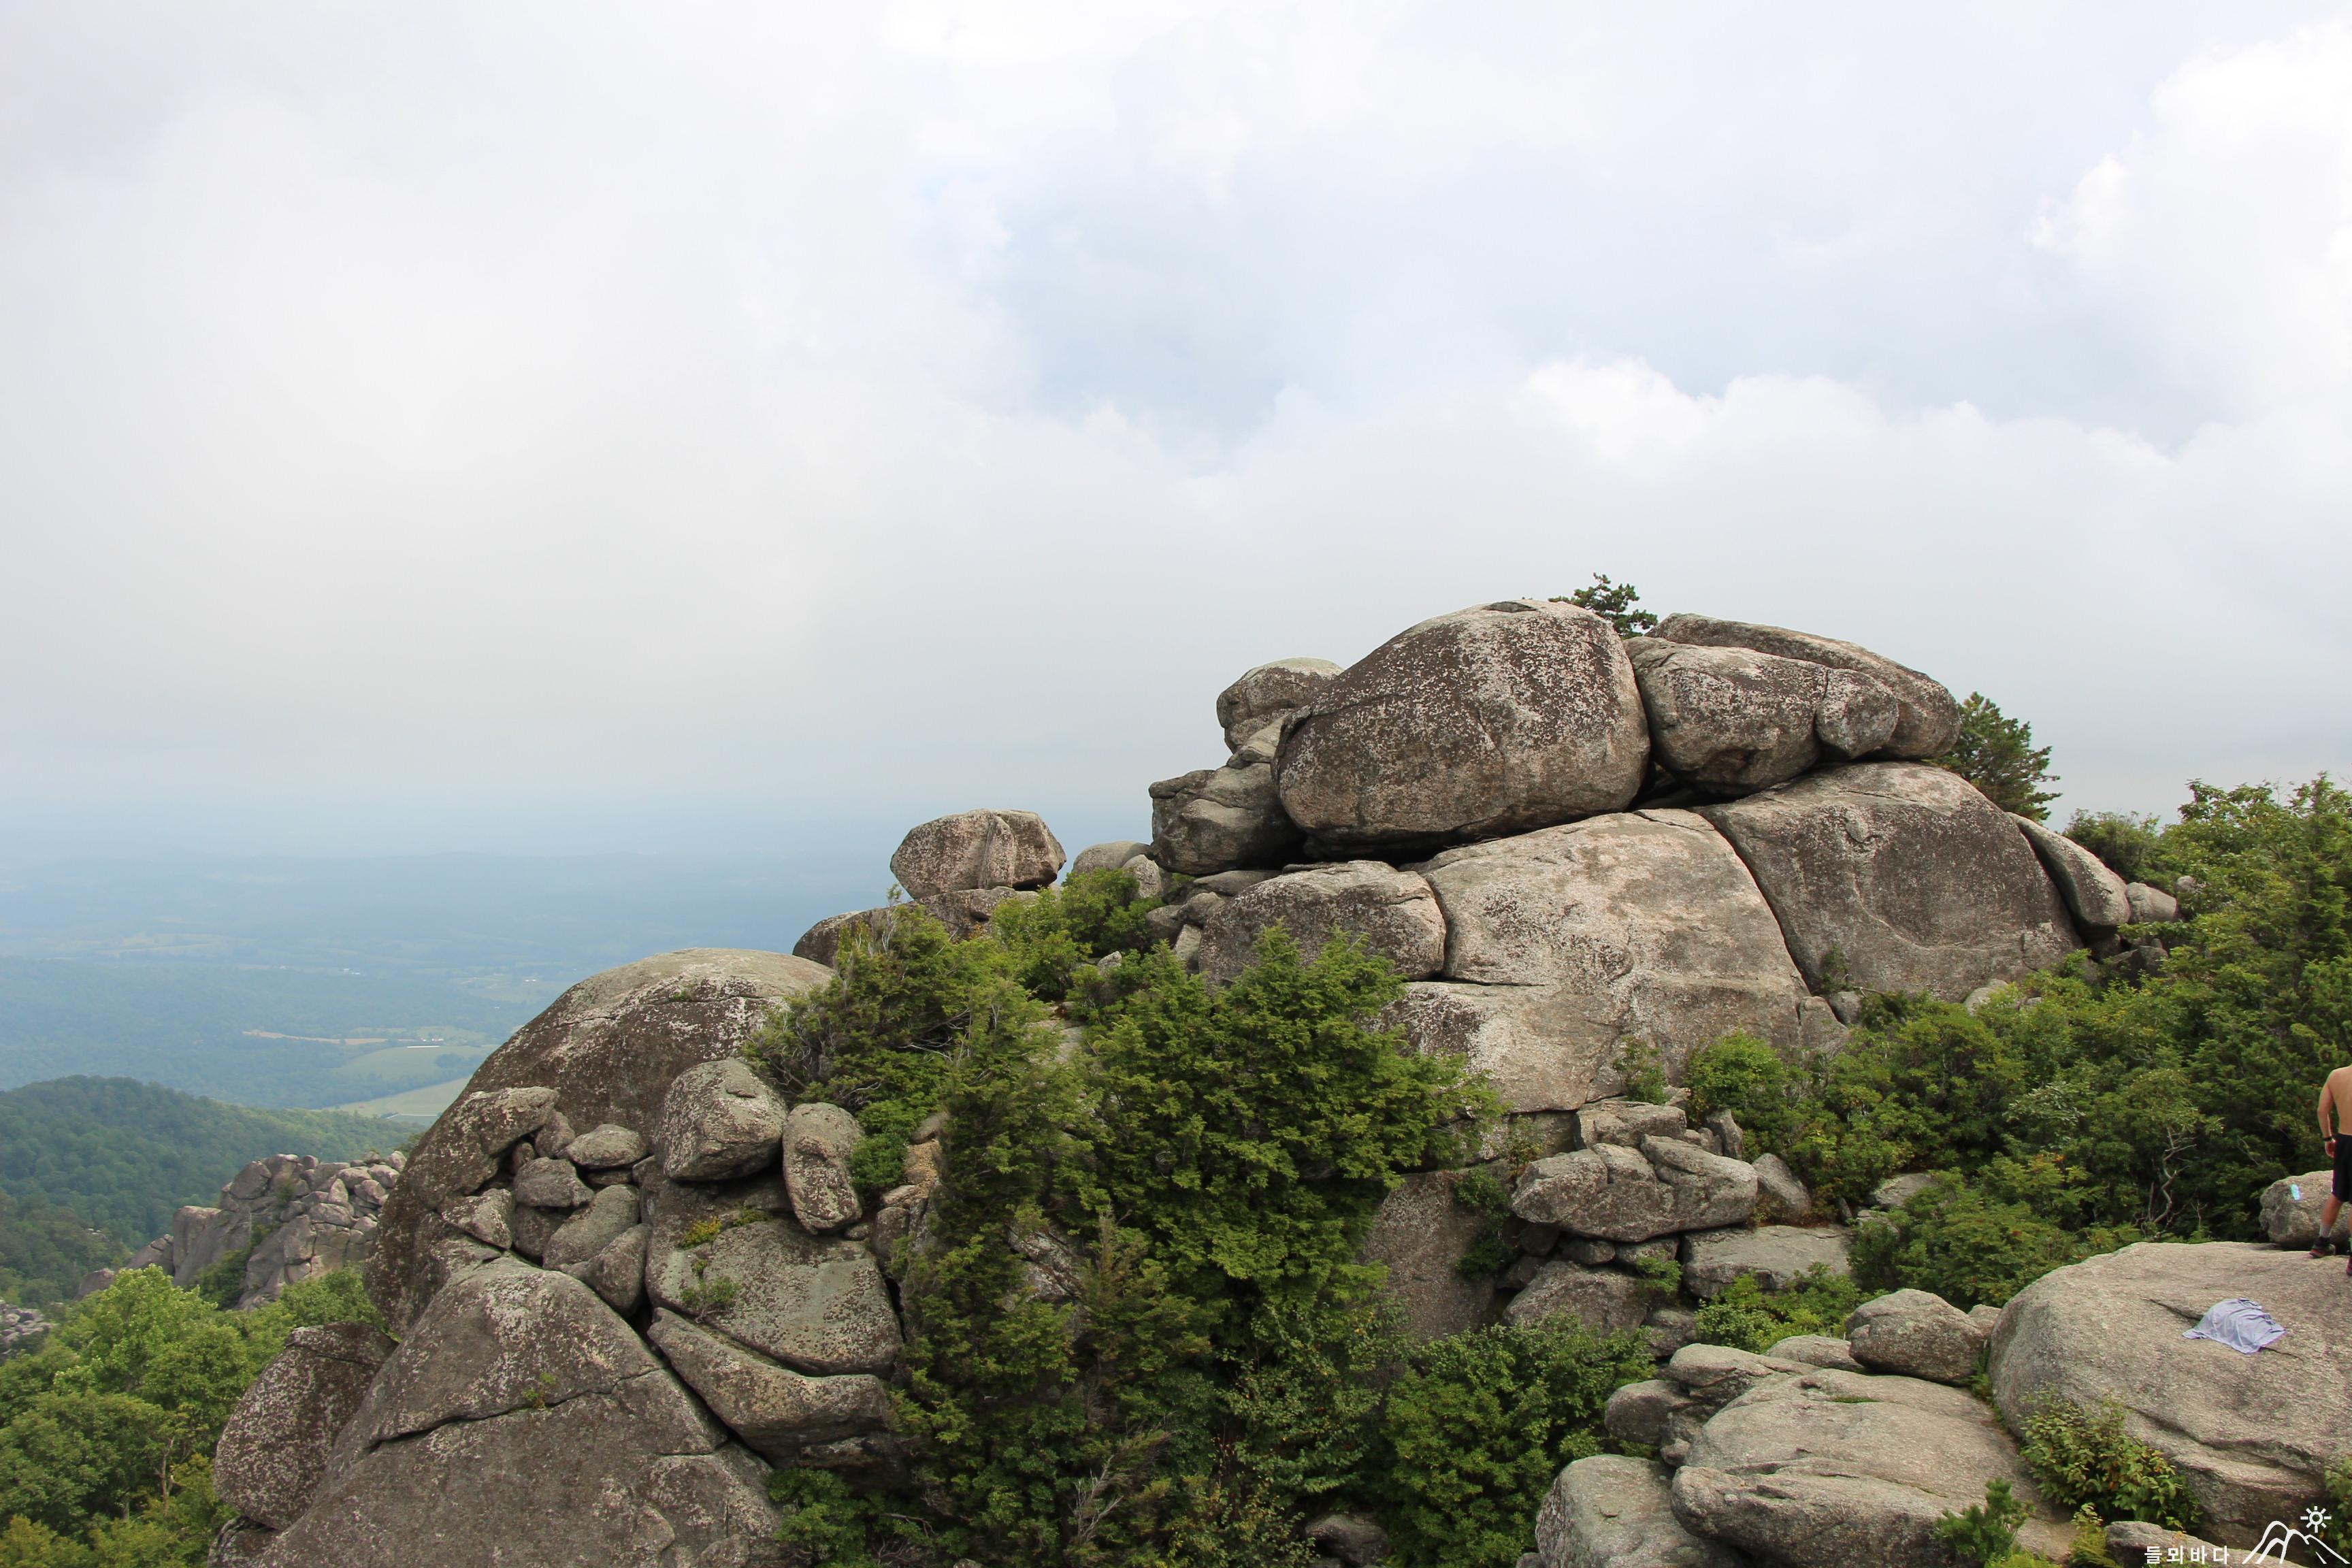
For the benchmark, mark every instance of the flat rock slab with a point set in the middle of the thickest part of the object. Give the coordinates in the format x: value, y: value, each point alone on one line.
x: 1419, y: 1235
x: 776, y: 1410
x: 1623, y: 1194
x: 1928, y: 720
x: 1495, y: 720
x: 1605, y: 1300
x: 1824, y: 1467
x: 2250, y: 1433
x: 1778, y: 1255
x: 273, y: 1449
x: 1906, y: 873
x: 1732, y: 721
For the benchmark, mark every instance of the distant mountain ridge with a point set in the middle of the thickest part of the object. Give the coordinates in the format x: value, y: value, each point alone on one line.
x: 124, y: 1155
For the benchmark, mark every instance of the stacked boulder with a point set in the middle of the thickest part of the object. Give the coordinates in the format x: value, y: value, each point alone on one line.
x: 1820, y: 1453
x: 961, y: 869
x: 20, y: 1327
x: 294, y: 1217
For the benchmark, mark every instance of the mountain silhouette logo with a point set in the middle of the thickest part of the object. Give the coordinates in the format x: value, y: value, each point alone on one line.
x: 2279, y: 1538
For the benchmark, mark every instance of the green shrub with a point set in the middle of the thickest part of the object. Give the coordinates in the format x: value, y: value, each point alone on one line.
x: 1746, y: 1076
x: 1613, y: 602
x: 1747, y: 1317
x: 1997, y: 754
x: 1967, y: 1246
x: 2132, y: 845
x: 1644, y: 1072
x: 2085, y: 1459
x: 825, y: 1525
x: 2338, y: 1479
x: 1478, y: 1426
x: 1985, y: 1534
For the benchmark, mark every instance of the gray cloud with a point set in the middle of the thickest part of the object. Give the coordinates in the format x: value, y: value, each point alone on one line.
x: 621, y: 418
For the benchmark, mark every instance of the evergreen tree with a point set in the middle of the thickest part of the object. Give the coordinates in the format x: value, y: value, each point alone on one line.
x: 1997, y: 754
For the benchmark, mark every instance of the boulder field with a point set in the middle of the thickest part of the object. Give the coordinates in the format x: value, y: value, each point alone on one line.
x: 625, y: 1275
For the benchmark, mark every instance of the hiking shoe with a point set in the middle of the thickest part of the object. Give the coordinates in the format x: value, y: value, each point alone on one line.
x: 2324, y: 1247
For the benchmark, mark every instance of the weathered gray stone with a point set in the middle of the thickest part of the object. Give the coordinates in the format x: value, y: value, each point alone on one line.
x: 1906, y: 873
x: 1222, y: 819
x: 821, y: 943
x: 1916, y: 1333
x: 1106, y: 856
x: 273, y: 1449
x: 775, y: 1410
x: 1896, y: 1190
x: 1778, y: 1194
x: 607, y: 1050
x: 1495, y: 720
x: 2251, y: 1435
x: 1732, y: 721
x: 2129, y: 1541
x: 1648, y: 1413
x: 2150, y: 905
x: 1778, y: 1255
x: 1352, y: 1539
x: 1392, y: 912
x: 2292, y: 1204
x: 1928, y: 721
x: 1539, y: 1047
x: 977, y: 849
x: 2095, y: 894
x: 606, y: 1147
x: 550, y: 1184
x: 618, y: 1271
x: 1606, y: 1301
x: 1817, y: 1349
x: 1717, y: 1375
x: 1627, y: 1121
x: 966, y: 909
x: 1265, y: 694
x: 486, y: 1217
x: 531, y: 1229
x: 818, y: 1140
x: 239, y: 1545
x: 1612, y: 1511
x: 818, y: 1305
x: 1419, y: 1235
x: 1643, y: 925
x: 720, y: 1120
x: 593, y: 1228
x: 1625, y: 1195
x: 520, y: 1411
x: 1669, y: 1329
x: 1828, y: 1467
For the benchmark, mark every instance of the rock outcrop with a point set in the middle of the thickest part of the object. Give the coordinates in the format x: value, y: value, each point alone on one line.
x: 977, y: 849
x: 1392, y: 912
x: 274, y: 1450
x: 2251, y: 1435
x: 1928, y: 720
x: 1269, y: 693
x: 1731, y: 720
x: 1224, y: 819
x: 294, y: 1217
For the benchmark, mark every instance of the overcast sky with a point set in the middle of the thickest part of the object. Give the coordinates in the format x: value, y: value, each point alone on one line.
x: 579, y: 425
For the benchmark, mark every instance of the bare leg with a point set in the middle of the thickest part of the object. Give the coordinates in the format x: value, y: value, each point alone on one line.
x: 2327, y: 1213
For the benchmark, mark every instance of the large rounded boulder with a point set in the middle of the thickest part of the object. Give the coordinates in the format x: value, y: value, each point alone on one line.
x: 1898, y: 877
x: 1495, y: 720
x: 606, y: 1051
x: 1928, y: 720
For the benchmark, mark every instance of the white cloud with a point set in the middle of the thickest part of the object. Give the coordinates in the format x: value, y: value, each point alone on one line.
x: 664, y: 408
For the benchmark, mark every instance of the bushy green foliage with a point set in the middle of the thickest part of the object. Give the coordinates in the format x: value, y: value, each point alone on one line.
x: 106, y: 1431
x: 1997, y: 754
x: 1477, y: 1426
x: 1746, y: 1076
x: 1644, y: 1072
x: 2087, y: 1459
x: 1985, y: 1534
x: 124, y: 1155
x: 1969, y: 1243
x: 1482, y: 1191
x: 2128, y: 842
x: 1747, y: 1316
x: 1613, y: 602
x: 44, y: 1251
x: 2338, y: 1479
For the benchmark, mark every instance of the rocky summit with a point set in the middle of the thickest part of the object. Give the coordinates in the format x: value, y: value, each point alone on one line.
x: 628, y: 1276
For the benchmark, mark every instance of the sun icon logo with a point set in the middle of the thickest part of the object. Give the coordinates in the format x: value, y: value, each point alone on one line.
x: 2315, y: 1519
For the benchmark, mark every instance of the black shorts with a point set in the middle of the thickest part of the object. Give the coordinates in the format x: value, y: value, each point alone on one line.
x: 2343, y: 1164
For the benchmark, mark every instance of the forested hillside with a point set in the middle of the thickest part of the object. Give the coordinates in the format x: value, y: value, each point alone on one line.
x: 123, y: 1155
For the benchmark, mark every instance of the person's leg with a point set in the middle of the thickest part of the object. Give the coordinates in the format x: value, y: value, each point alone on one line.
x: 2327, y: 1213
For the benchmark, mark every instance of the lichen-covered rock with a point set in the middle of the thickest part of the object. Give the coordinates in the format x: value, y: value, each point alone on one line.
x: 550, y: 1184
x: 1817, y: 1349
x: 818, y: 1142
x: 1605, y: 1300
x: 609, y: 1146
x: 1612, y: 1512
x: 975, y: 849
x: 1638, y: 926
x: 1732, y: 721
x: 592, y: 1228
x: 1623, y: 1195
x: 2252, y: 1435
x: 1392, y: 912
x: 1827, y: 1467
x: 1779, y: 1195
x: 1905, y: 872
x: 273, y: 1449
x: 521, y: 1413
x: 1107, y: 856
x: 1916, y: 1333
x: 617, y: 1270
x: 718, y: 1121
x: 488, y: 1218
x: 732, y: 1258
x: 774, y: 1409
x: 2150, y: 905
x: 607, y: 1050
x: 1927, y: 721
x: 1419, y: 1236
x: 1495, y: 719
x: 1266, y: 694
x: 1223, y: 819
x: 2291, y: 1207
